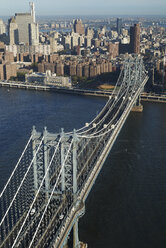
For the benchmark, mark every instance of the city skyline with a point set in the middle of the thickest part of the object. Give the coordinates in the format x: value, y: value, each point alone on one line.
x: 93, y: 7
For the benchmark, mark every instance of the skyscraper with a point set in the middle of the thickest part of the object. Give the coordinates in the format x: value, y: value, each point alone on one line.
x: 135, y: 39
x: 2, y: 27
x: 79, y: 27
x: 33, y: 34
x: 119, y: 26
x: 23, y: 28
x: 13, y: 31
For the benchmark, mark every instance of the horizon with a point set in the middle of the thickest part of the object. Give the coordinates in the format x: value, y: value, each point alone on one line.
x: 86, y: 8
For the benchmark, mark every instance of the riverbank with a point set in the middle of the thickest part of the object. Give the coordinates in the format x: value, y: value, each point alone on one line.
x: 77, y: 91
x: 148, y: 97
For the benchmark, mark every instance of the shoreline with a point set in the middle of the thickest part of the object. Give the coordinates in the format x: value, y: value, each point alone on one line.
x: 147, y: 97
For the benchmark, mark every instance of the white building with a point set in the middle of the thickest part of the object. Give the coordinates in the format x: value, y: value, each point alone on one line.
x: 49, y: 78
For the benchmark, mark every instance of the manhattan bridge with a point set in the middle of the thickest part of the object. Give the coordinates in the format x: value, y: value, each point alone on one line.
x: 44, y: 197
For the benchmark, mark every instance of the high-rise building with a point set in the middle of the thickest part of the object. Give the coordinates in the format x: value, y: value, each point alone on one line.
x: 23, y: 20
x: 53, y: 45
x: 2, y: 27
x: 119, y: 26
x: 79, y: 27
x: 23, y: 29
x: 135, y: 39
x: 33, y: 34
x: 13, y: 31
x: 113, y: 49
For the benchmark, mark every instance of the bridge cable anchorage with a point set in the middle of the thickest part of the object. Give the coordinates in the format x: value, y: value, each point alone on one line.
x: 16, y: 167
x: 21, y: 184
x: 55, y: 185
x: 107, y: 103
x: 41, y: 184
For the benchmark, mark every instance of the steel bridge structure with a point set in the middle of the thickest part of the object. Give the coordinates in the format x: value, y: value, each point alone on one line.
x: 45, y: 195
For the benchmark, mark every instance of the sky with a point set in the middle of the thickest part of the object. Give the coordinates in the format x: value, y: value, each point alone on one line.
x: 85, y: 7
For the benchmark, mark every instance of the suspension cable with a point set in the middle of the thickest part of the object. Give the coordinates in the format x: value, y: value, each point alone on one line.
x: 77, y: 130
x: 109, y: 110
x: 133, y: 89
x: 56, y: 148
x: 102, y: 134
x: 15, y: 167
x: 21, y: 182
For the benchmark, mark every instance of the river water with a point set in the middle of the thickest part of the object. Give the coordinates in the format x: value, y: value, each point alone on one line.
x: 126, y: 207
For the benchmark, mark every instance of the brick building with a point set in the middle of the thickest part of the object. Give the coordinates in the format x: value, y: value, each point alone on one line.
x: 79, y: 27
x: 135, y: 39
x: 113, y: 49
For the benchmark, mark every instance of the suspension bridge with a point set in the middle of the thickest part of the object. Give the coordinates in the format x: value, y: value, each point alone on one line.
x: 45, y: 195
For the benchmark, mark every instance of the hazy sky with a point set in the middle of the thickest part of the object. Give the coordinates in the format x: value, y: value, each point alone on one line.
x: 83, y: 7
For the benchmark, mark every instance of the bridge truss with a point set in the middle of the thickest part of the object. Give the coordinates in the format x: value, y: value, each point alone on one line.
x: 45, y: 194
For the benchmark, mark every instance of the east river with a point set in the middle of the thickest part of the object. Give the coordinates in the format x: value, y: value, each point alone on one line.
x: 127, y: 205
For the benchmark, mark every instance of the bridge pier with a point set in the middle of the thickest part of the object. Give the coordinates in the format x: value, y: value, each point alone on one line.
x: 138, y: 107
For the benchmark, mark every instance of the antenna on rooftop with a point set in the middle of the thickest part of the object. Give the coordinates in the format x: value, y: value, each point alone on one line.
x: 32, y: 8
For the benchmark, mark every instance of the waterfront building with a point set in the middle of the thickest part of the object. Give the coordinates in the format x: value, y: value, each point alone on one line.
x: 79, y: 70
x: 49, y: 78
x: 1, y: 72
x: 72, y: 69
x: 7, y: 66
x: 86, y: 71
x: 7, y: 70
